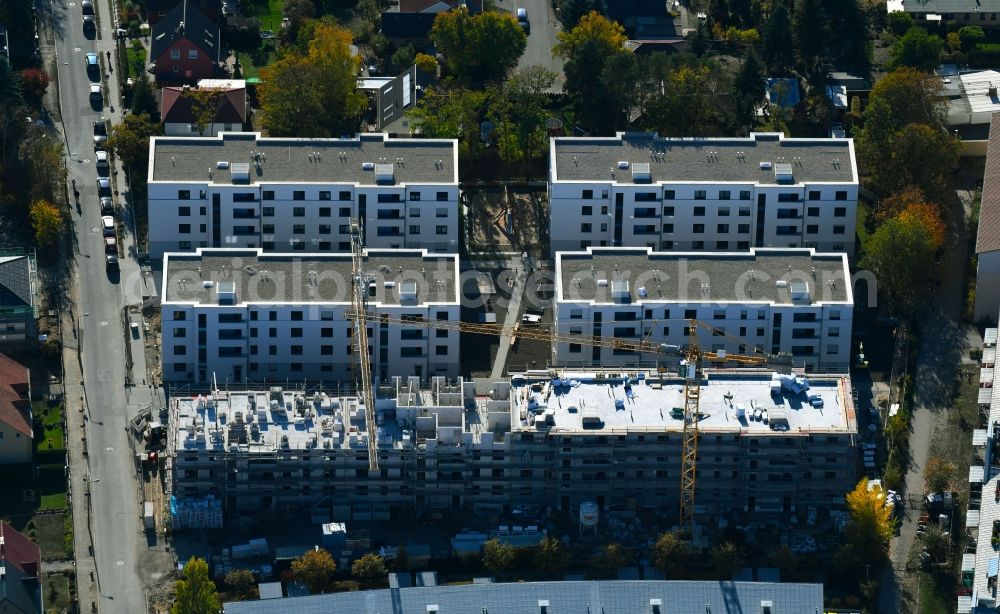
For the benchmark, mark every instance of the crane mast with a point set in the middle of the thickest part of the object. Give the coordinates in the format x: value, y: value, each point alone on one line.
x: 359, y: 312
x: 689, y: 439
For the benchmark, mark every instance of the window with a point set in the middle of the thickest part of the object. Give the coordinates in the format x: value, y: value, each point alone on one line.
x: 180, y: 332
x: 812, y: 211
x: 298, y: 211
x: 441, y: 230
x: 698, y: 245
x: 587, y: 210
x: 812, y: 229
x: 267, y: 211
x: 184, y: 228
x: 833, y: 331
x: 666, y: 245
x: 669, y: 194
x: 724, y: 194
x: 585, y: 227
x: 441, y: 212
x: 296, y: 350
x: 722, y: 245
x: 743, y: 228
x: 840, y: 212
x: 722, y: 228
x: 788, y: 197
x: 668, y: 228
x: 296, y: 316
x: 326, y: 350
x: 299, y: 229
x: 699, y: 211
x: 744, y: 212
x: 698, y: 229
x: 668, y: 212
x: 183, y: 194
x: 834, y: 315
x: 180, y: 350
x: 743, y: 245
x: 192, y: 54
x: 414, y: 196
x: 838, y: 230
x: 324, y: 211
x: 841, y: 195
x: 813, y: 194
x: 588, y: 194
x: 700, y: 195
x: 267, y: 229
x: 442, y: 196
x: 183, y: 245
x: 744, y: 194
x: 723, y: 211
x: 327, y: 333
x: 604, y: 209
x: 344, y: 229
x: 414, y: 229
x: 175, y: 54
x: 413, y: 352
x: 441, y: 350
x: 785, y: 231
x: 645, y: 197
x: 388, y: 198
x: 575, y: 348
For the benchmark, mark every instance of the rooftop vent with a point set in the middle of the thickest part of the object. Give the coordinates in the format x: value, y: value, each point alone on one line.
x: 367, y: 166
x: 432, y: 609
x: 783, y: 173
x: 543, y: 606
x: 623, y: 164
x: 408, y: 291
x: 800, y: 291
x: 619, y: 290
x: 765, y: 166
x: 240, y: 172
x: 225, y: 291
x: 640, y: 173
x: 384, y: 173
x: 655, y: 605
x: 222, y: 164
x: 766, y: 607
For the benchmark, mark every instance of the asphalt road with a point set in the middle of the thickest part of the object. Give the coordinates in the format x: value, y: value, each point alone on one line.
x: 541, y: 38
x: 114, y: 522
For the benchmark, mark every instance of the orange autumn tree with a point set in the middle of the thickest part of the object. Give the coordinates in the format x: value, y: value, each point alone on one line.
x: 898, y: 201
x: 928, y: 217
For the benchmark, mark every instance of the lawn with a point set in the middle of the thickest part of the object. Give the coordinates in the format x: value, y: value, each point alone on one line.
x: 864, y: 214
x: 994, y: 47
x: 51, y: 437
x: 268, y: 11
x: 56, y: 589
x: 136, y: 60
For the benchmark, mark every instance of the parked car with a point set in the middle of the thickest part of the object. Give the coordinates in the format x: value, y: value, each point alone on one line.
x: 88, y: 7
x: 522, y: 19
x: 111, y: 262
x: 111, y: 245
x: 102, y: 160
x: 89, y: 23
x: 93, y: 64
x: 103, y: 186
x: 95, y: 92
x: 100, y: 134
x: 107, y: 205
x: 108, y: 226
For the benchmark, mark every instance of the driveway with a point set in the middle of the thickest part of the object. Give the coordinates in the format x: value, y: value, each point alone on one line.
x: 541, y: 39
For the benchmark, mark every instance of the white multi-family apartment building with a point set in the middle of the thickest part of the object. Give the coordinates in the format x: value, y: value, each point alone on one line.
x: 717, y: 194
x: 239, y: 315
x: 776, y: 301
x: 242, y: 190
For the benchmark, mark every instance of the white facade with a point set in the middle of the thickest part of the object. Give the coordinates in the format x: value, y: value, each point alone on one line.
x: 285, y: 317
x: 302, y: 194
x: 638, y: 190
x: 775, y: 301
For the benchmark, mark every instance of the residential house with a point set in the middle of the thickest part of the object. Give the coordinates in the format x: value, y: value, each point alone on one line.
x: 158, y: 9
x: 982, y: 13
x: 988, y: 236
x: 185, y: 44
x: 18, y: 298
x: 288, y: 195
x: 20, y: 573
x: 388, y: 98
x: 177, y: 108
x: 242, y: 314
x: 411, y: 20
x: 715, y: 194
x: 16, y: 432
x: 972, y: 101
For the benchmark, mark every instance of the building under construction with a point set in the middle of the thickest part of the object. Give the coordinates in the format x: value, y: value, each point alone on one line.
x: 768, y: 445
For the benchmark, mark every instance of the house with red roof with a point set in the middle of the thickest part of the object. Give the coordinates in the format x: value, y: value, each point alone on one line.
x: 185, y: 45
x: 228, y: 108
x: 412, y: 19
x: 20, y: 573
x: 15, y: 413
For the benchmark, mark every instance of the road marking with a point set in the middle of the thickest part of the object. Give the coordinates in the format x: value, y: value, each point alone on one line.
x: 95, y: 229
x: 86, y: 160
x: 77, y: 49
x: 109, y: 449
x: 104, y: 323
x: 120, y: 563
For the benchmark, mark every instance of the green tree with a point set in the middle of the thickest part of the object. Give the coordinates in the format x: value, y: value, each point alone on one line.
x: 517, y: 110
x: 938, y: 474
x: 611, y: 558
x: 917, y: 49
x: 195, y: 593
x: 47, y: 222
x: 451, y: 113
x: 870, y: 526
x: 900, y: 22
x: 685, y: 102
x: 42, y: 156
x: 607, y: 35
x: 143, y: 100
x: 476, y: 48
x: 130, y: 141
x: 936, y: 543
x: 777, y: 34
x: 205, y: 104
x: 670, y: 554
x: 900, y: 253
x: 748, y: 89
x: 297, y: 12
x: 810, y: 33
x: 727, y: 558
x: 403, y: 58
x: 315, y: 568
x: 241, y: 582
x: 572, y: 11
x: 368, y: 566
x: 426, y: 63
x: 314, y: 94
x: 497, y: 556
x: 970, y: 36
x: 920, y: 156
x: 550, y: 556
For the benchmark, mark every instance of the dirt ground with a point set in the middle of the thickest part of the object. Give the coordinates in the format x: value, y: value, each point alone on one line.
x: 488, y: 226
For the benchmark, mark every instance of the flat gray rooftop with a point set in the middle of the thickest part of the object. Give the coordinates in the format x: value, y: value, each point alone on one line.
x: 293, y: 160
x: 709, y: 160
x: 702, y: 277
x: 257, y: 277
x: 646, y: 404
